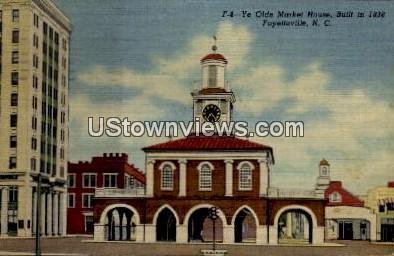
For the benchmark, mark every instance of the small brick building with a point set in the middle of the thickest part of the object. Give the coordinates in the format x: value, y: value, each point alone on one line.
x: 186, y: 177
x: 111, y: 171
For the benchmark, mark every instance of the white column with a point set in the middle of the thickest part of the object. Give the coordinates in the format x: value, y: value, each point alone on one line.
x: 261, y: 234
x: 150, y: 233
x: 62, y: 214
x: 34, y: 212
x: 49, y: 213
x: 228, y: 234
x: 139, y: 233
x: 318, y: 235
x: 229, y: 177
x: 263, y: 176
x: 182, y: 177
x: 4, y: 212
x: 149, y: 177
x: 273, y: 238
x: 43, y: 211
x: 181, y: 233
x: 56, y: 214
x: 98, y: 232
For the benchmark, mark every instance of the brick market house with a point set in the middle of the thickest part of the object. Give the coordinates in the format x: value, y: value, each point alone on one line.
x: 187, y: 176
x: 109, y: 171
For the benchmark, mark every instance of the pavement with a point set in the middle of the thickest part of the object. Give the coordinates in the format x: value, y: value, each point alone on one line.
x: 74, y: 246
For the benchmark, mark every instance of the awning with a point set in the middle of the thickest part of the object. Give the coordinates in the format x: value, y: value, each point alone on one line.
x: 388, y: 200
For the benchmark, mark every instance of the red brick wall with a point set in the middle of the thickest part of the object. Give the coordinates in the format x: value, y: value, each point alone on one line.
x: 316, y: 206
x: 110, y: 163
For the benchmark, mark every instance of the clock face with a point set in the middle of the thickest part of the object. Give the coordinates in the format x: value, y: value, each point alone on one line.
x: 211, y: 113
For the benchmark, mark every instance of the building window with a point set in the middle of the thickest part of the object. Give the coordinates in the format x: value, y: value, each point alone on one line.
x: 14, y: 78
x: 71, y: 200
x: 245, y: 176
x: 13, y: 120
x: 87, y: 200
x: 390, y: 206
x: 89, y: 224
x: 212, y: 75
x: 15, y: 36
x: 14, y: 99
x: 12, y: 162
x: 71, y: 180
x: 89, y: 180
x: 33, y: 143
x: 110, y: 180
x: 167, y: 176
x: 15, y: 57
x: 15, y: 15
x: 33, y: 162
x: 205, y: 176
x: 335, y: 197
x: 13, y: 142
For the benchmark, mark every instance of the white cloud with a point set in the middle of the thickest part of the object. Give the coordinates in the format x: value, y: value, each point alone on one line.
x: 354, y: 118
x: 168, y: 77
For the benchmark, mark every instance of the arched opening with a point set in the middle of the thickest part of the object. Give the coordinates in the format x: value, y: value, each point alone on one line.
x: 295, y: 226
x: 245, y: 227
x: 120, y: 225
x: 166, y: 226
x: 200, y: 227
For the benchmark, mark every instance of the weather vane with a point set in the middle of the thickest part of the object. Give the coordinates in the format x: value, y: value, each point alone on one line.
x: 214, y: 47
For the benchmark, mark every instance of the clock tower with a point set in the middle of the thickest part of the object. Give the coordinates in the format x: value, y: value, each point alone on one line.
x: 213, y: 102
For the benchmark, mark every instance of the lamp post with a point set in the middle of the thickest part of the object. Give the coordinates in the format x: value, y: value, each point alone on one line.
x: 213, y: 215
x: 38, y: 213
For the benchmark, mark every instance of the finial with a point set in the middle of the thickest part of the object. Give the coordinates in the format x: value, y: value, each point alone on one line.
x: 214, y: 47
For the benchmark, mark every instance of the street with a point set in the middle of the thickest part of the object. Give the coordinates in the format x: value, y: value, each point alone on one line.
x: 78, y: 245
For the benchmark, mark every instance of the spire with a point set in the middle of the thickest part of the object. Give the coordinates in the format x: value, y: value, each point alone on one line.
x: 214, y: 47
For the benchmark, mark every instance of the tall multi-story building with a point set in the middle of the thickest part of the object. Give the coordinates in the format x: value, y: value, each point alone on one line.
x: 109, y: 171
x: 34, y: 75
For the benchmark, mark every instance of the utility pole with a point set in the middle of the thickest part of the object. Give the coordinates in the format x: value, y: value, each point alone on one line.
x: 38, y: 214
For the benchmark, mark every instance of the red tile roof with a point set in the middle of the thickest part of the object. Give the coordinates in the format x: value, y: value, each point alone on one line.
x: 348, y: 199
x: 208, y: 143
x: 214, y: 56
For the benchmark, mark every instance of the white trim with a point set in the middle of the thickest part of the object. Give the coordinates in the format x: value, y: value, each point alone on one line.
x: 199, y: 168
x: 68, y: 200
x: 338, y: 199
x: 112, y: 206
x: 110, y: 173
x: 251, y: 166
x: 161, y: 168
x: 90, y: 203
x: 75, y: 179
x: 248, y: 208
x: 295, y: 207
x: 161, y: 208
x: 84, y: 221
x: 200, y: 206
x: 83, y: 179
x: 235, y: 155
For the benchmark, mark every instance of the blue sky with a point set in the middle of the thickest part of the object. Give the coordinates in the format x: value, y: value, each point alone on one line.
x: 140, y: 59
